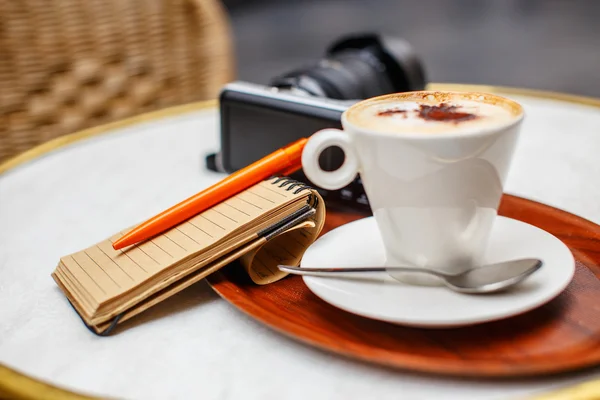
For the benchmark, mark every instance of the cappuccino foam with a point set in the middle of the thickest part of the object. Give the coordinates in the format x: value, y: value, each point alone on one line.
x: 434, y: 112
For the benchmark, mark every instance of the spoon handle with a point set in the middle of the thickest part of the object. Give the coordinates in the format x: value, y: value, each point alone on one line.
x: 339, y: 271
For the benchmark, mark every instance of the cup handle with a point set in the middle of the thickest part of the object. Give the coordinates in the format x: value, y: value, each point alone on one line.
x: 330, y: 180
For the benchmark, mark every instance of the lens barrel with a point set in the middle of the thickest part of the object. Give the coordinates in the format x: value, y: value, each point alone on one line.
x: 359, y: 67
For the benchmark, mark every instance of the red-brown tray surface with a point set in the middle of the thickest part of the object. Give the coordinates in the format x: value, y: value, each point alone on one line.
x: 562, y: 335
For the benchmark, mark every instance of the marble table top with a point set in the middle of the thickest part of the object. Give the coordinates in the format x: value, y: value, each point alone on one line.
x: 195, y: 344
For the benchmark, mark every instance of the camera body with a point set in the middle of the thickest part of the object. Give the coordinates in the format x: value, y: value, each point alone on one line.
x: 258, y: 119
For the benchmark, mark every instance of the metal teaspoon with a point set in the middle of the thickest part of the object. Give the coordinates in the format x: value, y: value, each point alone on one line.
x: 484, y: 279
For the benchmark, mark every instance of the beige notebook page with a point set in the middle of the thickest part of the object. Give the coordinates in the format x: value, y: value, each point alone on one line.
x: 286, y: 248
x: 104, y: 273
x: 193, y: 278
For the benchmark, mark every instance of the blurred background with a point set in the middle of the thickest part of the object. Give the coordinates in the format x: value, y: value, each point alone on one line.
x: 66, y: 65
x: 541, y: 44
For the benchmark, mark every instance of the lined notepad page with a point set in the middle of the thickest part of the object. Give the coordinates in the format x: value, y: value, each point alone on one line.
x: 104, y: 273
x: 285, y: 249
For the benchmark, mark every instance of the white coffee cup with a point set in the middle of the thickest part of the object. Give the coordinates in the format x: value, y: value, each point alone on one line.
x: 434, y: 186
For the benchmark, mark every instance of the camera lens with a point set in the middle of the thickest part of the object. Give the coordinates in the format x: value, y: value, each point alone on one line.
x: 359, y: 67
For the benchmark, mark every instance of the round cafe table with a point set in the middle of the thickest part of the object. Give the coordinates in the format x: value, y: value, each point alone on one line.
x: 79, y: 189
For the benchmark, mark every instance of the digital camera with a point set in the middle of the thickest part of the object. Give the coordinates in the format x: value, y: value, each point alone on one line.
x: 256, y: 120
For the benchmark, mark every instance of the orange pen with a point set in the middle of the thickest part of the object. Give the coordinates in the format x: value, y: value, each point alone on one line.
x: 283, y: 161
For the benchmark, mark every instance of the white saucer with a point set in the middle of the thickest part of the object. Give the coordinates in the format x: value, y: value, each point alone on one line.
x: 359, y: 244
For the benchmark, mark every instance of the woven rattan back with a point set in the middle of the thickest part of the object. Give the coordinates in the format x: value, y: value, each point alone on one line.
x: 71, y: 64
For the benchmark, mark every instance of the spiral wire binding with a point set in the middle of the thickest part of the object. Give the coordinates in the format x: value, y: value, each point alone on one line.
x: 285, y: 181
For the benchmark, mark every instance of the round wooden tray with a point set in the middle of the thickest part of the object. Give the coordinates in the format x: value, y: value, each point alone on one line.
x: 562, y: 335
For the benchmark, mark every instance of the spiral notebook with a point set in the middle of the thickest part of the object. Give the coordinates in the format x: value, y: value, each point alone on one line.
x: 271, y: 223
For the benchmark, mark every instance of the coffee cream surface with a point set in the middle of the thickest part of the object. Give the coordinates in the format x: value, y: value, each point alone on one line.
x: 433, y: 113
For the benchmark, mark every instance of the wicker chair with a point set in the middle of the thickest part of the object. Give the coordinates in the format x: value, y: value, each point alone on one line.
x: 71, y: 64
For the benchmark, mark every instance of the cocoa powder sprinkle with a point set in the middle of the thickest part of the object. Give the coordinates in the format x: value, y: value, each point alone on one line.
x: 391, y: 111
x: 444, y: 112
